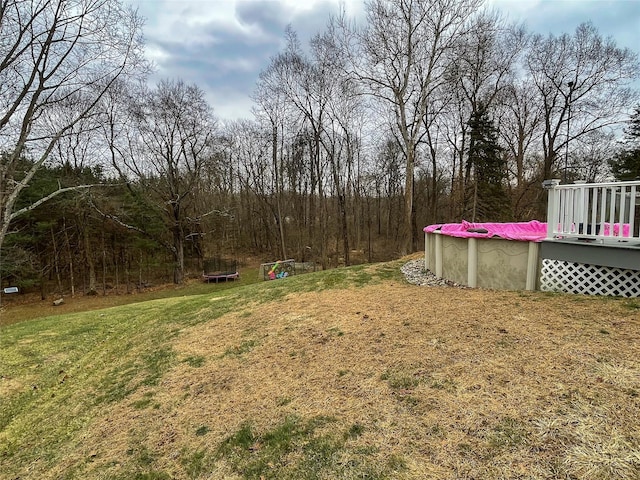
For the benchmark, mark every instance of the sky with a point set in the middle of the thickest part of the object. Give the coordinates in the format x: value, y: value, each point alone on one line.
x: 222, y: 45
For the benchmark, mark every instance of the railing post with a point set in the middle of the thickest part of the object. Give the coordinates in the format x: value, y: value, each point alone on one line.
x: 552, y: 205
x: 622, y: 207
x: 632, y: 211
x: 582, y: 207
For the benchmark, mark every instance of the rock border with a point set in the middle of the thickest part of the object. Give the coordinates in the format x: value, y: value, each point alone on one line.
x: 415, y: 273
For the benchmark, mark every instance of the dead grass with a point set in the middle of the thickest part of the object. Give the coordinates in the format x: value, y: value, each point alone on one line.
x: 383, y: 381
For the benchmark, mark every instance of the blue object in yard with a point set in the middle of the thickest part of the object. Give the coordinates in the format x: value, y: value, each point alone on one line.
x: 11, y: 290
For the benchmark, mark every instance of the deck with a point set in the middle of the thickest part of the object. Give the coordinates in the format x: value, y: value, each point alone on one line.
x: 593, y: 239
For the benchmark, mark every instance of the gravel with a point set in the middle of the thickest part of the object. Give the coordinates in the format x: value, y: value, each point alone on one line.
x: 416, y: 274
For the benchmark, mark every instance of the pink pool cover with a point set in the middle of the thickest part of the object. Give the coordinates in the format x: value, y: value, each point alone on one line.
x: 533, y: 231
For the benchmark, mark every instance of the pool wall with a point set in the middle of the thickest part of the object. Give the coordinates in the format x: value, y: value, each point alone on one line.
x: 493, y: 263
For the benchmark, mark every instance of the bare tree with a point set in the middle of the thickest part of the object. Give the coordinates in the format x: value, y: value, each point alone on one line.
x: 249, y: 151
x: 485, y: 60
x: 520, y: 125
x: 520, y: 117
x: 53, y: 52
x: 589, y: 156
x: 272, y: 108
x: 327, y: 86
x: 173, y: 145
x: 584, y: 84
x: 401, y: 55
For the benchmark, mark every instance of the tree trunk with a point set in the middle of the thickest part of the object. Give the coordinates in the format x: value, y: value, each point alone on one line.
x: 117, y: 273
x: 56, y: 261
x: 276, y: 169
x: 178, y: 256
x: 91, y: 267
x: 70, y: 253
x: 104, y: 266
x: 406, y: 241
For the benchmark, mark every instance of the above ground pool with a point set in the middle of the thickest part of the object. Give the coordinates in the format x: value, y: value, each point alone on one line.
x: 501, y: 256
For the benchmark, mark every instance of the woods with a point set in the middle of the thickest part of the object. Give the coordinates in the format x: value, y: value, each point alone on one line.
x: 425, y: 111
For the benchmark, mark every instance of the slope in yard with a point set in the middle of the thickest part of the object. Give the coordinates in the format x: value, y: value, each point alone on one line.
x: 345, y: 374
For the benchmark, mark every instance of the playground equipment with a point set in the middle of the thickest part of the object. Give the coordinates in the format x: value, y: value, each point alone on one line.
x: 219, y: 269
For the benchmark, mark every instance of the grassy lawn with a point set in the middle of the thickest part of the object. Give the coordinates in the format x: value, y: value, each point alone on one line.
x: 15, y: 309
x: 348, y: 373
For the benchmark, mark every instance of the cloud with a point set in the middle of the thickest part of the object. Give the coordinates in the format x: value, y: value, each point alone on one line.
x: 619, y: 19
x: 263, y: 14
x: 222, y: 45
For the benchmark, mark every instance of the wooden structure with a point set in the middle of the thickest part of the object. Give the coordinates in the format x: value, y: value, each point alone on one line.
x: 593, y: 239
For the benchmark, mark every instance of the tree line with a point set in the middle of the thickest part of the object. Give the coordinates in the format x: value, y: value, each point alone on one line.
x: 426, y: 111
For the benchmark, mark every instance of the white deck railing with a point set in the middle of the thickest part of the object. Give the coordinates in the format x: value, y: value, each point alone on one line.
x: 605, y: 211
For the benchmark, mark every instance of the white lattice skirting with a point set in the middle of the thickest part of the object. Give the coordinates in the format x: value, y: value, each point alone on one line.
x: 569, y: 277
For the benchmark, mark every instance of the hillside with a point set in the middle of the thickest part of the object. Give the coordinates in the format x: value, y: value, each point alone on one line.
x: 349, y: 373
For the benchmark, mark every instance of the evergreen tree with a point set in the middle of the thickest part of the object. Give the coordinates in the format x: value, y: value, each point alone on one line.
x: 626, y: 164
x: 487, y: 193
x: 33, y: 253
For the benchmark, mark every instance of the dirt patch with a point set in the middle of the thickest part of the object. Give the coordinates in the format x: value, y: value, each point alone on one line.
x: 10, y: 385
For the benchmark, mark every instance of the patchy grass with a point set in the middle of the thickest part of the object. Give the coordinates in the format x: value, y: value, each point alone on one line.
x: 195, y: 360
x: 239, y: 350
x: 400, y: 379
x: 344, y: 374
x: 299, y: 449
